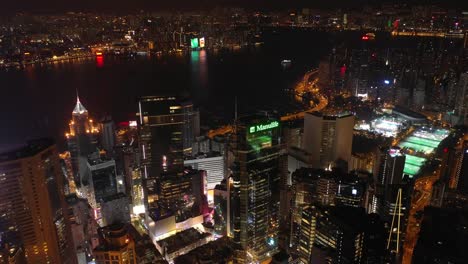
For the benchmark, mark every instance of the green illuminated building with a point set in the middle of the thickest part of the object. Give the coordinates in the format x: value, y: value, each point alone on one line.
x: 255, y: 187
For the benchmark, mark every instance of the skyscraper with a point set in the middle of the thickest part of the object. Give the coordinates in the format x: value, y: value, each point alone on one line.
x: 328, y: 138
x: 255, y: 185
x: 32, y: 202
x: 81, y: 139
x: 461, y: 104
x: 460, y: 179
x: 341, y: 230
x: 161, y: 142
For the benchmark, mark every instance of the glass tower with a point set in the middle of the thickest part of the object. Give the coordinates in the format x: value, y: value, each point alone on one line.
x: 255, y: 186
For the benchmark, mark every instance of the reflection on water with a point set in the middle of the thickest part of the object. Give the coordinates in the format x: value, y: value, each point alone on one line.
x: 100, y: 61
x: 199, y: 76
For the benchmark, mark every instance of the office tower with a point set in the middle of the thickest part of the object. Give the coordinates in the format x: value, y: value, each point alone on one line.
x: 100, y: 180
x: 107, y: 134
x: 461, y: 104
x: 81, y: 139
x: 115, y: 209
x: 116, y: 246
x: 394, y: 211
x: 391, y: 168
x: 443, y: 236
x: 341, y: 230
x: 459, y: 179
x: 254, y: 186
x: 328, y: 138
x: 32, y: 202
x: 220, y: 216
x: 351, y: 191
x: 191, y: 125
x: 161, y: 142
x: 83, y: 227
x: 327, y: 188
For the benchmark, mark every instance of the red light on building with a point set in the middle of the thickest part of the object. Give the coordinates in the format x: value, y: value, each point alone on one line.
x: 343, y: 70
x: 445, y: 150
x: 365, y: 37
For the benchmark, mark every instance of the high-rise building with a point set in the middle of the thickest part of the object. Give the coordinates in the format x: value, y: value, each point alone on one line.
x: 81, y: 139
x: 191, y: 125
x: 328, y: 138
x: 220, y: 216
x: 100, y: 181
x: 107, y: 134
x: 83, y: 227
x: 391, y: 167
x: 254, y: 186
x: 342, y: 230
x: 461, y: 104
x: 32, y: 202
x: 161, y: 142
x: 460, y: 174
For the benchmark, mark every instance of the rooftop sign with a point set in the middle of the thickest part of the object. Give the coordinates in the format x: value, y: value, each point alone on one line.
x: 263, y: 127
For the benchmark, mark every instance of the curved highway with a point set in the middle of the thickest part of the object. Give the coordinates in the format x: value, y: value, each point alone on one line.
x: 301, y: 88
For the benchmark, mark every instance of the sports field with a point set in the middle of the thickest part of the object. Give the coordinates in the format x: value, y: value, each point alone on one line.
x: 425, y: 140
x: 413, y: 165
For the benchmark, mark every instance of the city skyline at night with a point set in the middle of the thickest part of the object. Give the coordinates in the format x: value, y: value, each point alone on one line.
x: 233, y: 131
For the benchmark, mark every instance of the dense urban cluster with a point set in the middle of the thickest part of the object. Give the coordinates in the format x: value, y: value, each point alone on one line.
x: 372, y: 169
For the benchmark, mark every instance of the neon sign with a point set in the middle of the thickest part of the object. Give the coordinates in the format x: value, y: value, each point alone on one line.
x: 262, y: 127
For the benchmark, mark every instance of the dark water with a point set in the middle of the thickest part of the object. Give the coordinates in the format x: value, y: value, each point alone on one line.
x: 38, y: 100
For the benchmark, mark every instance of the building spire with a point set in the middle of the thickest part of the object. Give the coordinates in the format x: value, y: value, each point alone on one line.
x: 79, y: 108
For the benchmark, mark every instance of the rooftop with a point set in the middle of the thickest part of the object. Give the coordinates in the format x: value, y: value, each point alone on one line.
x: 182, y: 239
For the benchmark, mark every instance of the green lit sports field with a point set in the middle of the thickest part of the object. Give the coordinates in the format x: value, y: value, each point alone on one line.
x: 413, y: 165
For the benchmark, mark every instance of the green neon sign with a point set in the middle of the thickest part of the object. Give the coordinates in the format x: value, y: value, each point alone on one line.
x: 263, y: 127
x: 194, y: 43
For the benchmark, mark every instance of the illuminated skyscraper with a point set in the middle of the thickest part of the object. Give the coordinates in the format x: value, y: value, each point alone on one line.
x: 32, y: 202
x: 328, y: 138
x: 341, y: 230
x: 168, y: 188
x: 161, y: 142
x: 255, y: 186
x: 81, y: 139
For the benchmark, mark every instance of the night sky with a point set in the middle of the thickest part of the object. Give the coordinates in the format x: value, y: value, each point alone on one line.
x: 131, y: 5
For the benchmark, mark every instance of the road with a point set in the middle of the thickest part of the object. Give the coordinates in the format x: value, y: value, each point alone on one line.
x: 423, y: 189
x: 302, y: 87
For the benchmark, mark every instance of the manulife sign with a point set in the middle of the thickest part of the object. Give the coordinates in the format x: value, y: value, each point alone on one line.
x: 263, y: 127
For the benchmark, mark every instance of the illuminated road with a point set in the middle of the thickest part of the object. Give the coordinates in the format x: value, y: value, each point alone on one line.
x: 304, y: 86
x: 423, y: 191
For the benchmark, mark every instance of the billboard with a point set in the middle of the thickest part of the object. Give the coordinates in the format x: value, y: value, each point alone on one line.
x: 262, y: 127
x: 194, y: 43
x: 202, y: 42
